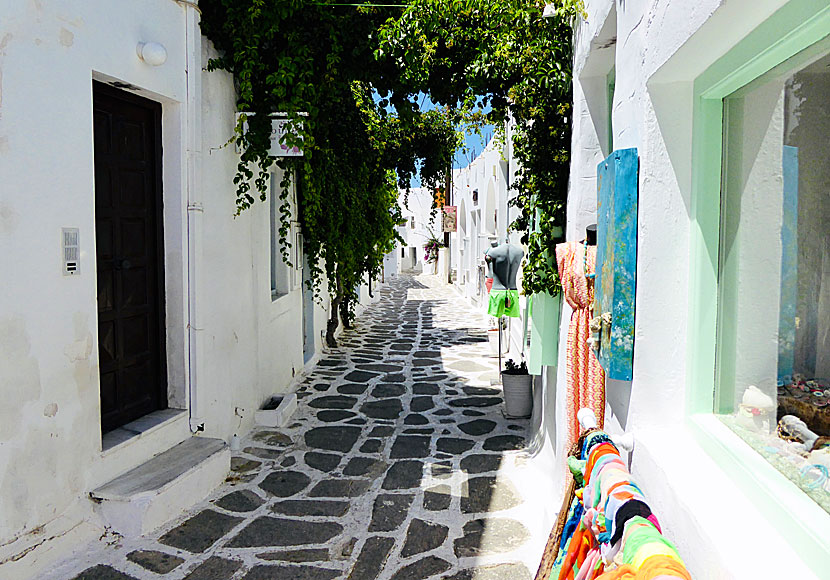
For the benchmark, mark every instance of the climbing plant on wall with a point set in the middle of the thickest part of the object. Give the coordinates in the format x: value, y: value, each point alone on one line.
x: 318, y: 58
x: 330, y: 61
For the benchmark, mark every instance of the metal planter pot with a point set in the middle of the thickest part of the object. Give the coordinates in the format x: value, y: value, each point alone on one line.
x: 518, y: 394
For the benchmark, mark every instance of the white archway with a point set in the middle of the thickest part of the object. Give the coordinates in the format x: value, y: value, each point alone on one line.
x: 463, y: 241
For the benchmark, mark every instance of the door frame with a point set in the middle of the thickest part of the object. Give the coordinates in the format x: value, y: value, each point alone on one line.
x: 101, y: 87
x: 307, y: 297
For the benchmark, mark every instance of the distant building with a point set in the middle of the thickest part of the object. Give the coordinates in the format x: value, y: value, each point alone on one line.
x: 481, y: 192
x: 422, y: 222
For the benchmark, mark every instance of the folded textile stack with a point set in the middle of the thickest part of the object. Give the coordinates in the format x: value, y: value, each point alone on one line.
x: 609, y: 531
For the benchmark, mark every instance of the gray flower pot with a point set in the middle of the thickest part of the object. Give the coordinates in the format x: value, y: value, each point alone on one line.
x: 518, y: 394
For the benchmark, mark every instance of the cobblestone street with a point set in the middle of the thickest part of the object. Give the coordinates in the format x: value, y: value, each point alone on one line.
x: 397, y: 465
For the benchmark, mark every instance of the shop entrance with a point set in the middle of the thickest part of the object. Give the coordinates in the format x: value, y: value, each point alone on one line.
x: 129, y: 252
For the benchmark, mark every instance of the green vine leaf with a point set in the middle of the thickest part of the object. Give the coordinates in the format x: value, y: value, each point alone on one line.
x: 358, y: 74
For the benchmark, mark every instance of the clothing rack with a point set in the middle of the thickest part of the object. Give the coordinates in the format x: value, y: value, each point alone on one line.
x: 606, y: 530
x: 588, y: 420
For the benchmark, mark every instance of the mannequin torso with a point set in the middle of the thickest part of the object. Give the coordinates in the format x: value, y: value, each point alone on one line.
x: 505, y: 261
x: 493, y: 245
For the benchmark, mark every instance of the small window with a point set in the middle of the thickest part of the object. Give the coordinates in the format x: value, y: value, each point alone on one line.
x: 297, y: 256
x: 412, y: 223
x: 774, y: 321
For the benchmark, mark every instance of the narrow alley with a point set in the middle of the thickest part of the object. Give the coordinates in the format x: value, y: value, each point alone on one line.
x: 398, y: 464
x: 627, y: 200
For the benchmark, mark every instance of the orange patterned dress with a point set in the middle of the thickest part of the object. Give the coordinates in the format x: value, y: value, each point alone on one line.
x: 586, y: 379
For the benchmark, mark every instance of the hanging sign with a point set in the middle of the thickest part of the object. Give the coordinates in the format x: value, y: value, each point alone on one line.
x: 280, y: 127
x: 450, y: 218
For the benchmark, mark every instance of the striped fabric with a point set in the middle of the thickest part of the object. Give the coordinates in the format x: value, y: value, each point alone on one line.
x: 586, y: 379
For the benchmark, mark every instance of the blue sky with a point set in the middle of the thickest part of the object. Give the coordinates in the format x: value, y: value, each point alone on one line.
x: 474, y: 144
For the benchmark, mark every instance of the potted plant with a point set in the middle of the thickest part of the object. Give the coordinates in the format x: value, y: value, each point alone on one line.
x: 516, y: 383
x: 431, y: 247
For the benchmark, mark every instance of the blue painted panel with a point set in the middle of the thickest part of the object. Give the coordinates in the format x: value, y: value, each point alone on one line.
x: 603, y: 283
x: 789, y: 265
x: 615, y: 284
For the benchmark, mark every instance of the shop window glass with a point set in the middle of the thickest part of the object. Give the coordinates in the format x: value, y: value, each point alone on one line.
x: 774, y: 320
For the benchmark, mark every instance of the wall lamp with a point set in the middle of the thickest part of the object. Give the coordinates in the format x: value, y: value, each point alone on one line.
x: 152, y: 53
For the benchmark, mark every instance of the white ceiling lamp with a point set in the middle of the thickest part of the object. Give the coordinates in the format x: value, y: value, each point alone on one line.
x: 152, y: 53
x: 549, y: 11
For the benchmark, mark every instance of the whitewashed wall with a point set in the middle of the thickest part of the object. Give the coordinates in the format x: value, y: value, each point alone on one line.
x: 416, y: 206
x: 252, y: 345
x: 485, y: 220
x: 652, y: 110
x: 48, y: 327
x: 247, y: 346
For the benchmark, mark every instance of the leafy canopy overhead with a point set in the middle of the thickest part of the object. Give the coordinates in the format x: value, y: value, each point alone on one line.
x: 505, y: 54
x: 319, y: 59
x: 328, y: 60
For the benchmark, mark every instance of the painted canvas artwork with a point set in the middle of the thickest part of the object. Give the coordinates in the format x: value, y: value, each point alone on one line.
x: 615, y: 284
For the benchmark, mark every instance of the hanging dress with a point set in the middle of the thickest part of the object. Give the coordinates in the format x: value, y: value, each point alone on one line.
x: 586, y: 379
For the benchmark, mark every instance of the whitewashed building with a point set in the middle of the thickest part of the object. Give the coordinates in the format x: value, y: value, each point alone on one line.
x: 422, y: 222
x: 481, y: 191
x: 726, y: 105
x: 136, y: 313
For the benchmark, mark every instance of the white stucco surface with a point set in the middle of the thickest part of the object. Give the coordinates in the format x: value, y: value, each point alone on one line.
x: 224, y: 331
x: 483, y: 218
x: 660, y: 49
x: 50, y: 434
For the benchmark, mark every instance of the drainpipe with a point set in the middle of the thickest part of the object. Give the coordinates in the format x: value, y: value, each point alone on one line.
x: 193, y: 160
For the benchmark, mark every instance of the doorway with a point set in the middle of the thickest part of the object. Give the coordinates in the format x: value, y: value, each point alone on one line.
x: 129, y: 251
x: 308, y: 313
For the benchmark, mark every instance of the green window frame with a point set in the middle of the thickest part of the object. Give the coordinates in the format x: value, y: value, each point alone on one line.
x: 610, y: 85
x: 793, y: 28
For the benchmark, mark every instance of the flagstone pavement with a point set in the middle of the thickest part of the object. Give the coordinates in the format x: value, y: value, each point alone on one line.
x: 398, y: 465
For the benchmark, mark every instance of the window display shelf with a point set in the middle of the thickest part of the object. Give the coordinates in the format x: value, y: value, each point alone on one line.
x: 809, y: 473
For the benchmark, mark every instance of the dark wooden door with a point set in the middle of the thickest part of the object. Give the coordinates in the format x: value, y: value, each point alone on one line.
x: 129, y: 251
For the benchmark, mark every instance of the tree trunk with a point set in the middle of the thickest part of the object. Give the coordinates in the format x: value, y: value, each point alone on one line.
x: 344, y: 313
x: 334, y: 318
x: 333, y: 323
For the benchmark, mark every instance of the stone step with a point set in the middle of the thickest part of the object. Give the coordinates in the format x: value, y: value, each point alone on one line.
x: 155, y: 492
